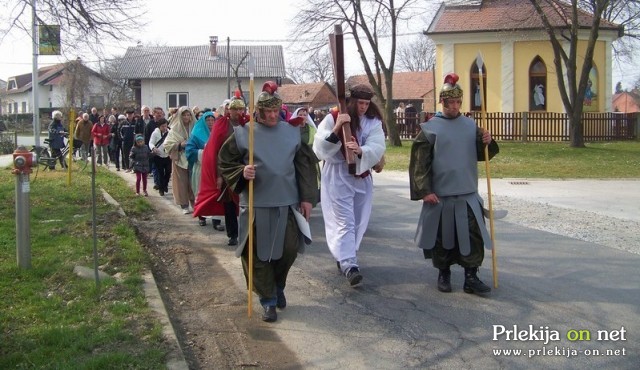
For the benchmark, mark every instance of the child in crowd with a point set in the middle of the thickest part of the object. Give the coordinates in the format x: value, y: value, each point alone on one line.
x: 139, y: 156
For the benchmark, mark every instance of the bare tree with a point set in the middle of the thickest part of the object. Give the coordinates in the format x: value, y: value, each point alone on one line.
x: 236, y: 68
x: 572, y: 90
x: 121, y: 92
x: 316, y: 67
x: 83, y: 24
x: 417, y: 55
x: 369, y: 23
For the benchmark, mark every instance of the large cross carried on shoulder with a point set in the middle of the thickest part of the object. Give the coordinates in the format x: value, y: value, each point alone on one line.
x: 336, y: 42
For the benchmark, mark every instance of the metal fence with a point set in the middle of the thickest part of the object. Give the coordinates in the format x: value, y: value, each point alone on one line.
x: 543, y: 126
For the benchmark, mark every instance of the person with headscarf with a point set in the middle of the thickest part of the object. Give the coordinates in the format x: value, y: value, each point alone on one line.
x: 181, y: 124
x: 443, y: 173
x: 308, y: 130
x: 214, y: 196
x: 347, y: 198
x: 194, y: 150
x: 283, y: 194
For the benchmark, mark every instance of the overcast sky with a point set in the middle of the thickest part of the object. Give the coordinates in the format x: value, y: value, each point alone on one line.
x: 242, y: 21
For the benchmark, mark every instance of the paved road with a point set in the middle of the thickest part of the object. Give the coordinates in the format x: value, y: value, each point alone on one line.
x: 399, y: 320
x: 551, y: 288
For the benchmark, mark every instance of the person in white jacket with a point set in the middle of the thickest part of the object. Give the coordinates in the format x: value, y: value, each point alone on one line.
x: 161, y: 157
x: 346, y: 199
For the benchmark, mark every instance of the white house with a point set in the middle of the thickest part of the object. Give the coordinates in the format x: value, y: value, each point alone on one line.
x: 53, y: 89
x: 202, y: 75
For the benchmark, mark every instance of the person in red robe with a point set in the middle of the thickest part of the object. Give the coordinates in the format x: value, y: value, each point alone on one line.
x: 214, y: 197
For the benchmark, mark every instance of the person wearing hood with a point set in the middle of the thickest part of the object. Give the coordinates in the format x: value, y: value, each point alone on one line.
x: 308, y: 130
x: 214, y: 195
x: 181, y: 125
x: 194, y: 150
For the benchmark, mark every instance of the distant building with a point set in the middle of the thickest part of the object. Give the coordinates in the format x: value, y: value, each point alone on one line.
x: 54, y: 89
x: 3, y: 92
x: 318, y: 95
x: 415, y: 88
x: 172, y: 76
x: 518, y: 72
x: 626, y: 102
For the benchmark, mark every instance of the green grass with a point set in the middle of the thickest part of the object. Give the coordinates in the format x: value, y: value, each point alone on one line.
x: 548, y: 160
x: 49, y: 317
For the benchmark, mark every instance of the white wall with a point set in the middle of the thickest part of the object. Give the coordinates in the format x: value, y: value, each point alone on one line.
x: 203, y: 93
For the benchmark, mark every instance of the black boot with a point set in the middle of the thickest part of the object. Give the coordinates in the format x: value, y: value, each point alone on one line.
x: 471, y: 282
x: 444, y: 280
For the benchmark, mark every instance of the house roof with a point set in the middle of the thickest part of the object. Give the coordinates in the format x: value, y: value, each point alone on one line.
x: 626, y: 102
x: 406, y: 85
x: 302, y: 93
x: 153, y: 62
x: 49, y: 75
x: 504, y: 15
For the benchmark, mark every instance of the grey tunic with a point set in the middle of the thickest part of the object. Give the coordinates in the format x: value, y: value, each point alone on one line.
x: 283, y: 179
x: 444, y: 161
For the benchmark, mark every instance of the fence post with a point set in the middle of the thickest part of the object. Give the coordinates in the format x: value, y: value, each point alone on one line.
x: 525, y: 126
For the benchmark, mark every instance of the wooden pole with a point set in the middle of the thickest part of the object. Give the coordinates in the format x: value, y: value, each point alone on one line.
x: 483, y: 119
x: 250, y: 241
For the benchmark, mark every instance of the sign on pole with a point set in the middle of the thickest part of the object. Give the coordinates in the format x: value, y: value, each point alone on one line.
x: 49, y: 36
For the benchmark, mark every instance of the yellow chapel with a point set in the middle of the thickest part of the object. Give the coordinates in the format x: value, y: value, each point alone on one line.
x: 519, y: 73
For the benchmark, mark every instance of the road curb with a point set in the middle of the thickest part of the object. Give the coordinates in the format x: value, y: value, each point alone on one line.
x: 175, y: 357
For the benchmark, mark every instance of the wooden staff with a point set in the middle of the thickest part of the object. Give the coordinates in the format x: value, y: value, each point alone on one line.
x: 483, y: 118
x: 251, y: 65
x: 336, y: 42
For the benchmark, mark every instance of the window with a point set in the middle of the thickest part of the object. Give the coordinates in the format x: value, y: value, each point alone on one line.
x: 24, y: 107
x: 537, y: 85
x: 475, y: 104
x: 176, y: 100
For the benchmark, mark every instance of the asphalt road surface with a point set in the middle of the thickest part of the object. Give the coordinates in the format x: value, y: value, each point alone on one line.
x: 567, y: 303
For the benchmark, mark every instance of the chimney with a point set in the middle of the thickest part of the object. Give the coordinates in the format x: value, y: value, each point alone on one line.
x: 213, y: 47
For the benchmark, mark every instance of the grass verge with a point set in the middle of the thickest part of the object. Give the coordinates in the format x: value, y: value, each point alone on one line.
x: 548, y: 160
x: 51, y: 318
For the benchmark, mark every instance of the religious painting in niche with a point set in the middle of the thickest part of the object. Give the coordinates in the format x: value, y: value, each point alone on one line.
x: 475, y: 104
x: 590, y: 102
x: 537, y: 85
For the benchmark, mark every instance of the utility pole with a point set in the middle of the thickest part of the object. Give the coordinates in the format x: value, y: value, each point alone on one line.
x: 228, y: 70
x: 34, y: 78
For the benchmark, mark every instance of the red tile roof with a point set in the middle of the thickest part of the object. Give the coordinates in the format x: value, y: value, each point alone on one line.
x: 406, y: 85
x: 626, y: 102
x: 317, y: 94
x: 505, y: 15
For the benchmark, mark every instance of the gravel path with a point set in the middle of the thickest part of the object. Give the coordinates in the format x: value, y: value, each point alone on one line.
x: 588, y: 226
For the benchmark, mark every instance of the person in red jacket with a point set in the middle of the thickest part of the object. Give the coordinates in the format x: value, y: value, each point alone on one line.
x: 101, y: 134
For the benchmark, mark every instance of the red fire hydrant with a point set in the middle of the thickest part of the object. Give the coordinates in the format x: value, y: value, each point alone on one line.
x: 23, y: 160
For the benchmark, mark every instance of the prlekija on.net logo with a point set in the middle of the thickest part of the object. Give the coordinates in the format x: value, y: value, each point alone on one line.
x: 545, y: 334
